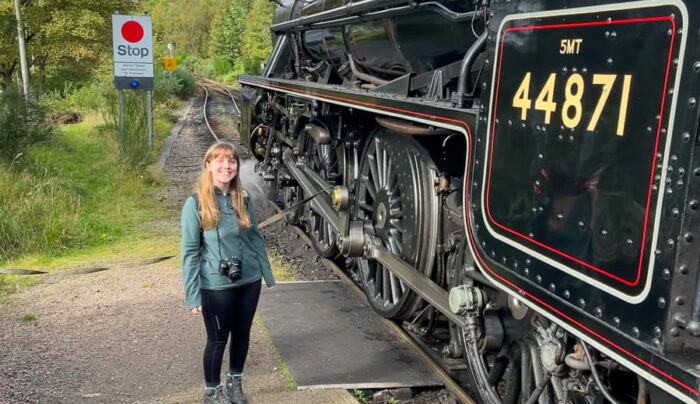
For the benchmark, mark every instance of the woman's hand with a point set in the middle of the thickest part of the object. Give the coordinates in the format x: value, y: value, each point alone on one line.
x: 269, y: 287
x: 196, y: 311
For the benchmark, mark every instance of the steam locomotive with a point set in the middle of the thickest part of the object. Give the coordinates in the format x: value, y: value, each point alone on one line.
x: 524, y: 171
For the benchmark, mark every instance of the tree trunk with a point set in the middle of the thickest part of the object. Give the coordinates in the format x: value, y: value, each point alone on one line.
x: 6, y: 80
x: 22, y: 50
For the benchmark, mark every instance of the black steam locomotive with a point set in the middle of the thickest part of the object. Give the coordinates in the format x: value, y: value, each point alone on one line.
x: 524, y: 170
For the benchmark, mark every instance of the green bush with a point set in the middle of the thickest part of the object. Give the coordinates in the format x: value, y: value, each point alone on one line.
x: 188, y: 84
x: 133, y: 141
x: 173, y: 83
x: 80, y: 98
x: 22, y: 123
x: 167, y: 84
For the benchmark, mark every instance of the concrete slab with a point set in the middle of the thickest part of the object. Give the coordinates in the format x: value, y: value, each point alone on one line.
x: 330, y: 338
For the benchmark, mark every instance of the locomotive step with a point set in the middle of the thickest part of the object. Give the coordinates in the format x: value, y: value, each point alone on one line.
x: 330, y: 338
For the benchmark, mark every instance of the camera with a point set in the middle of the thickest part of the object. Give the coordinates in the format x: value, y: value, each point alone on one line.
x: 230, y: 267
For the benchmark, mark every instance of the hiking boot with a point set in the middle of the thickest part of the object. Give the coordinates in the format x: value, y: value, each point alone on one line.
x: 234, y: 389
x: 214, y: 396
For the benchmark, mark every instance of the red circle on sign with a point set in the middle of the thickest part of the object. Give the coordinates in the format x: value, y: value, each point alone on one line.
x: 132, y: 31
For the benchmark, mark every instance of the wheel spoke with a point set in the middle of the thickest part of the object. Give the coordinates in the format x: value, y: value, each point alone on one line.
x: 370, y: 188
x: 395, y: 288
x: 396, y: 225
x: 387, y: 167
x: 367, y: 207
x: 373, y: 169
x: 395, y: 247
x: 386, y: 286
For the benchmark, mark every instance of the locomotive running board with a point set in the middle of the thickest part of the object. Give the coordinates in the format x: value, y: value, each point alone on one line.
x: 417, y: 281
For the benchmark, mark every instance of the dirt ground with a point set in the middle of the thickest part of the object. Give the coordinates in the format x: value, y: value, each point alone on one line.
x: 123, y: 335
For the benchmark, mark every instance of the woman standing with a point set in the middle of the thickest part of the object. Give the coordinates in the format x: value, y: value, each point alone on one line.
x: 223, y: 261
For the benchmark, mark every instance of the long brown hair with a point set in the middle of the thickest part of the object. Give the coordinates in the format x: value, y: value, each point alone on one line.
x: 208, y: 208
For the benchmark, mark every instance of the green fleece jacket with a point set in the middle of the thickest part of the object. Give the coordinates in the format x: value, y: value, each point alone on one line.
x: 202, y: 251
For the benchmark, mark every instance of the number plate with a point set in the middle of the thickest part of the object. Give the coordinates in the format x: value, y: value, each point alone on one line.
x: 577, y: 130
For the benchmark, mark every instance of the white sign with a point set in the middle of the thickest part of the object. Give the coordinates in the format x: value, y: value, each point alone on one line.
x: 133, y: 69
x: 132, y: 38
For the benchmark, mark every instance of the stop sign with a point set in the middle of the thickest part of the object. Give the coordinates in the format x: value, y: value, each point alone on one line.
x: 133, y: 52
x: 132, y: 31
x: 132, y: 37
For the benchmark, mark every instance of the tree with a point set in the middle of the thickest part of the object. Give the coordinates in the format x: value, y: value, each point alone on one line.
x: 8, y: 47
x: 60, y: 34
x: 228, y: 29
x: 257, y: 42
x: 186, y: 23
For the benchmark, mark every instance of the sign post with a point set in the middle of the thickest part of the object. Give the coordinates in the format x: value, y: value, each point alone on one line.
x: 132, y: 38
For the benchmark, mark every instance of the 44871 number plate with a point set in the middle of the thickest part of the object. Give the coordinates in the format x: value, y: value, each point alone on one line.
x: 578, y: 124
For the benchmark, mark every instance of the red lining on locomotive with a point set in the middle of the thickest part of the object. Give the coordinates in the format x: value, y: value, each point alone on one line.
x: 653, y: 164
x: 472, y: 237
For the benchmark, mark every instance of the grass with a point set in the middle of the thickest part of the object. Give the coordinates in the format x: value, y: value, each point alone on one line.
x: 71, y: 200
x: 360, y: 396
x: 281, y: 271
x: 27, y: 318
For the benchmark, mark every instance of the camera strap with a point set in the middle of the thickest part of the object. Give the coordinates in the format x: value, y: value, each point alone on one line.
x: 279, y: 216
x: 240, y: 244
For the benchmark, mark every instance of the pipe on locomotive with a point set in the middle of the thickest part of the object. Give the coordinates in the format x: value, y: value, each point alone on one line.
x: 344, y: 11
x: 460, y: 98
x: 394, y: 12
x: 363, y: 76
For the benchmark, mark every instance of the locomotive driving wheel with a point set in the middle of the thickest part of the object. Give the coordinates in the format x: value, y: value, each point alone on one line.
x: 394, y: 197
x: 327, y: 161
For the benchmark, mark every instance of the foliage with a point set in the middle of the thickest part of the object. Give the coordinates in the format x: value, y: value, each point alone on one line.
x: 240, y: 36
x: 132, y: 138
x: 188, y: 85
x: 22, y: 123
x: 64, y: 37
x: 257, y: 43
x: 70, y: 193
x: 184, y: 23
x: 228, y: 30
x: 360, y: 396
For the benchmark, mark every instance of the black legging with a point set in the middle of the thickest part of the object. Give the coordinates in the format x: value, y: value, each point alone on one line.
x: 227, y: 311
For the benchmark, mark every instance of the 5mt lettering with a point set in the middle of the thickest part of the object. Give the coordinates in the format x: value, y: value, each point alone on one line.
x: 572, y: 108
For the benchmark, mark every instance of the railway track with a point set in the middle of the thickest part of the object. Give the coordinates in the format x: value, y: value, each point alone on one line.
x: 205, y: 113
x: 427, y: 350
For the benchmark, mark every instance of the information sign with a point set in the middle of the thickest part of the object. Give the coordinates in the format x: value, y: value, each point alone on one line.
x: 169, y: 64
x: 133, y: 52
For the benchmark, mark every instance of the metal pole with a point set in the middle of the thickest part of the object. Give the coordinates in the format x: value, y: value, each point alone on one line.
x: 121, y: 119
x: 149, y: 117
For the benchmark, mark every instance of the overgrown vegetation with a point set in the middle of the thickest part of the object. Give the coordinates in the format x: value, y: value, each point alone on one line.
x: 215, y: 38
x: 67, y: 183
x: 72, y: 192
x: 21, y: 124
